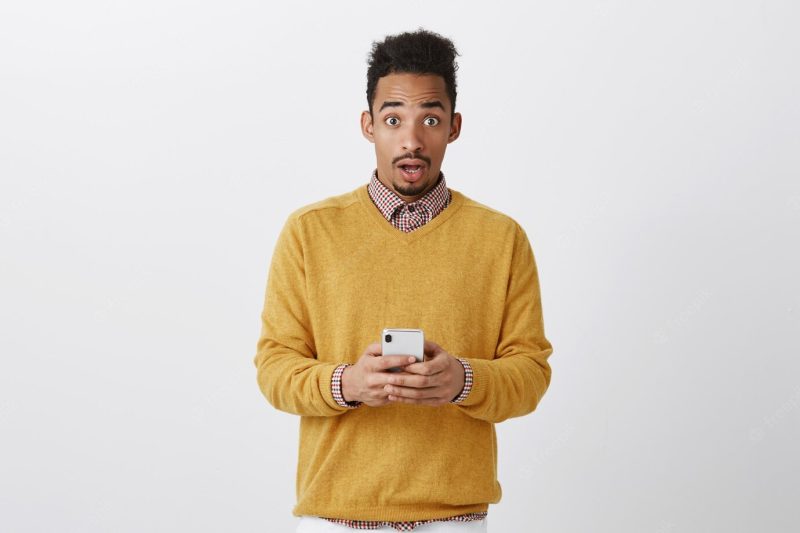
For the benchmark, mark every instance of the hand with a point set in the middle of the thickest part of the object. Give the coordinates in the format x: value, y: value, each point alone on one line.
x: 435, y: 381
x: 365, y: 380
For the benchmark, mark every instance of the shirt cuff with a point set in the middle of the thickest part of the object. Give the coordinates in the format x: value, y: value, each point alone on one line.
x: 467, y: 381
x: 336, y: 387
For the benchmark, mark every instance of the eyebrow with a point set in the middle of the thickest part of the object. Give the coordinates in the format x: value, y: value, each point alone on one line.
x: 424, y: 105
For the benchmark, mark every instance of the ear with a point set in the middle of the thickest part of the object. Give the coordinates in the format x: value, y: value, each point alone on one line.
x: 455, y: 128
x: 366, y: 126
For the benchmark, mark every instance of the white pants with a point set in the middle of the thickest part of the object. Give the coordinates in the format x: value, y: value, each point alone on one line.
x: 312, y: 524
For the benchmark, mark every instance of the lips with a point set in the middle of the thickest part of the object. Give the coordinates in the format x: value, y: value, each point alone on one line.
x: 411, y: 169
x: 411, y: 172
x: 411, y: 163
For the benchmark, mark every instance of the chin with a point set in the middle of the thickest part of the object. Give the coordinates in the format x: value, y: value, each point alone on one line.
x: 411, y: 189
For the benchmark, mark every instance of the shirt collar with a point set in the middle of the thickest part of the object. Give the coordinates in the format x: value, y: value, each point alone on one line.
x: 387, y: 201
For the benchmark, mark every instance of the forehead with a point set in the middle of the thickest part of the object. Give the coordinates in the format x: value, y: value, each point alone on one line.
x: 411, y: 89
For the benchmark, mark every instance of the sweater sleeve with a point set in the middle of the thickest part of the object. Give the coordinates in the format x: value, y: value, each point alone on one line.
x: 288, y: 372
x: 514, y: 381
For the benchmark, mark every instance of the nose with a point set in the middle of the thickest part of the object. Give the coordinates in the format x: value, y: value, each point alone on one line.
x: 412, y: 139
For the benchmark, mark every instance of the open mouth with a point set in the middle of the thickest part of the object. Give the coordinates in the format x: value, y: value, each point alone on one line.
x: 411, y: 171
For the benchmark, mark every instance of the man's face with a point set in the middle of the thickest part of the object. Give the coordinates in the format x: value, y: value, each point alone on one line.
x: 411, y: 127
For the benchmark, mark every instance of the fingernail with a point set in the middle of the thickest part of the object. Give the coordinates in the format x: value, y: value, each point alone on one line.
x: 412, y: 359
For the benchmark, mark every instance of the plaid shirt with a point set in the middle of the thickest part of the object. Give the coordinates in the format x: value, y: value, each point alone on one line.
x: 411, y: 216
x: 407, y: 218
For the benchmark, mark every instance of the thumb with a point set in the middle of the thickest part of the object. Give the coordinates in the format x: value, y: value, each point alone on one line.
x: 374, y: 349
x: 431, y: 348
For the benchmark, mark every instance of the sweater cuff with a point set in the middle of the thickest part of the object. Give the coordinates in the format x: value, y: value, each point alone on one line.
x: 336, y: 387
x: 467, y: 381
x: 480, y: 375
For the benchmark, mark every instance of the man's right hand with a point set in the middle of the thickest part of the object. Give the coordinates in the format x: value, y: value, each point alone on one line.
x: 365, y: 381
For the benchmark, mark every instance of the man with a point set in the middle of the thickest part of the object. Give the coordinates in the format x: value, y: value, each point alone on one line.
x: 414, y: 448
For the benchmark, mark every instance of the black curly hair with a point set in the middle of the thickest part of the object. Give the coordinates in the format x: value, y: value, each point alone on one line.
x: 419, y: 52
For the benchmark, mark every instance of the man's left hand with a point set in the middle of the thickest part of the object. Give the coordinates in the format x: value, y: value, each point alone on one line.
x: 436, y: 381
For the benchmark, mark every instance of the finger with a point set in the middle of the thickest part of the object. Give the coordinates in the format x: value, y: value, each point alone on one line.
x: 423, y: 401
x: 374, y: 349
x: 431, y: 347
x: 427, y: 393
x: 427, y: 368
x: 390, y: 361
x: 404, y: 379
x: 377, y: 395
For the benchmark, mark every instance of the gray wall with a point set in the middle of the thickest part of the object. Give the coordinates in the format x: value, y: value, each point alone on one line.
x: 150, y: 152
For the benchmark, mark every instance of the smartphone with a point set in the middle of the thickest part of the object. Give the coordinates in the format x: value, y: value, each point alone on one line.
x: 400, y: 341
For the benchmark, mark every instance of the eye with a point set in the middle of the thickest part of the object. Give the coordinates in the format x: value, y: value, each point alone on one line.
x: 431, y: 121
x: 392, y: 121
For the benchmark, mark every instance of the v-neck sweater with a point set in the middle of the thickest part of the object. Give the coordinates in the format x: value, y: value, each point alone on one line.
x: 339, y: 275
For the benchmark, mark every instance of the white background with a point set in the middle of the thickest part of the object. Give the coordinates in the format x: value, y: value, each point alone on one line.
x: 151, y: 151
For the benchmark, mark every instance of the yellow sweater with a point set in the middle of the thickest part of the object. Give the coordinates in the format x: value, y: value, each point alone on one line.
x: 340, y: 273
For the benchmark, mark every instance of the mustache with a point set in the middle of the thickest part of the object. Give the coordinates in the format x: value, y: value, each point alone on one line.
x: 409, y: 155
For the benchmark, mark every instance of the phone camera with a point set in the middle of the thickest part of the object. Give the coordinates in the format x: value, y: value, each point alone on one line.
x: 388, y: 338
